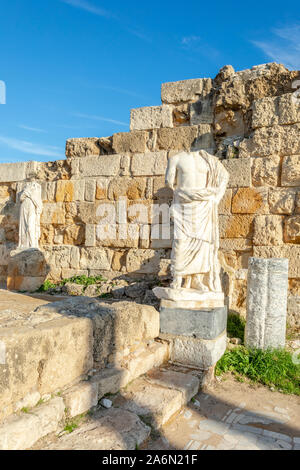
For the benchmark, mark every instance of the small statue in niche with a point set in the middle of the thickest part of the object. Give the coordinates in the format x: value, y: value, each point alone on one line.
x: 30, y: 214
x: 199, y: 181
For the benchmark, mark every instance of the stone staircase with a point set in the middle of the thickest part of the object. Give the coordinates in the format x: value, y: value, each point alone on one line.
x: 138, y: 411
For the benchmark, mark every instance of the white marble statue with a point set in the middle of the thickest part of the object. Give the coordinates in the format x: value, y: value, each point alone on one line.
x: 30, y: 213
x: 199, y: 182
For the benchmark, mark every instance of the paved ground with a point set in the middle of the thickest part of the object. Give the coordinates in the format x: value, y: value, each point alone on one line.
x: 234, y: 415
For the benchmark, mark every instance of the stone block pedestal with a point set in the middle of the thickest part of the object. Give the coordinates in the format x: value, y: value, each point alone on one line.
x: 196, y: 333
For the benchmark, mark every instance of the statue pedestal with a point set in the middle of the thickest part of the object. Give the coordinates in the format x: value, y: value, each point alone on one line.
x: 195, y: 326
x: 27, y: 270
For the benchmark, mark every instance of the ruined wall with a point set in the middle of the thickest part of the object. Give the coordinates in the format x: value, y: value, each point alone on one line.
x: 249, y: 119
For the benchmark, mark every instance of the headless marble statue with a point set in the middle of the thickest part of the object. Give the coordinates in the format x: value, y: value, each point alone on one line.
x: 30, y: 212
x: 199, y: 181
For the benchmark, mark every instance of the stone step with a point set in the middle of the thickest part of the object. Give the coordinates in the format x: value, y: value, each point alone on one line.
x: 113, y: 429
x: 19, y: 432
x: 158, y: 396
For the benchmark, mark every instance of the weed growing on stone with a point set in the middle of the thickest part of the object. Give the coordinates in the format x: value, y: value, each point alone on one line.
x: 273, y: 368
x: 236, y: 326
x: 82, y: 280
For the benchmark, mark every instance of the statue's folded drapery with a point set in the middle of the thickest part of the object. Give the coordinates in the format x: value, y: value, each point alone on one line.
x: 195, y: 215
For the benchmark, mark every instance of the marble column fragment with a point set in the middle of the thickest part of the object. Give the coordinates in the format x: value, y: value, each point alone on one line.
x: 267, y: 288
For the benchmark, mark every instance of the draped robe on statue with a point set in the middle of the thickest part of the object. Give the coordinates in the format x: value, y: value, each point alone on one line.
x: 30, y: 211
x: 195, y: 215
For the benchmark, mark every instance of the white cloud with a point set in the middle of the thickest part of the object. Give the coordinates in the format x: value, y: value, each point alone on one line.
x: 33, y: 129
x: 87, y: 6
x: 31, y: 147
x: 284, y: 47
x: 196, y: 45
x: 99, y: 118
x: 189, y: 41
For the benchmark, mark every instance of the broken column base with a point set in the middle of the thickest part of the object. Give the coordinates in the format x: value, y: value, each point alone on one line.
x: 27, y: 270
x: 197, y: 338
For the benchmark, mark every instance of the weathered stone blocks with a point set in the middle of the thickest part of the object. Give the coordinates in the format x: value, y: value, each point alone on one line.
x: 239, y: 170
x: 134, y: 142
x: 151, y: 163
x: 291, y: 233
x: 266, y: 171
x: 291, y: 171
x: 185, y: 90
x: 151, y: 117
x: 250, y: 201
x: 266, y: 303
x: 268, y: 230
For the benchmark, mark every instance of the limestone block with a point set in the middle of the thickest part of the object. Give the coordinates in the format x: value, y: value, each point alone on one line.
x: 202, y: 111
x: 53, y: 213
x: 151, y: 117
x: 105, y: 165
x: 95, y: 258
x: 239, y: 170
x: 113, y: 429
x: 46, y: 418
x: 282, y: 201
x: 139, y: 363
x: 185, y: 138
x: 288, y: 110
x: 250, y: 201
x: 101, y: 188
x: 275, y: 110
x: 225, y: 204
x: 266, y: 170
x: 188, y: 384
x: 266, y: 303
x: 110, y: 380
x: 49, y: 352
x: 90, y: 190
x: 160, y: 191
x: 205, y: 323
x: 80, y: 398
x: 82, y: 147
x: 200, y: 353
x: 130, y: 142
x: 238, y: 244
x: 116, y: 326
x: 236, y: 226
x: 144, y: 261
x: 149, y: 164
x: 64, y: 191
x: 292, y: 252
x: 290, y: 175
x: 185, y: 90
x: 291, y: 233
x: 90, y: 235
x: 280, y: 140
x: 87, y: 212
x: 10, y: 172
x: 132, y: 188
x: 156, y: 404
x: 265, y: 112
x: 27, y: 270
x: 48, y: 191
x: 268, y: 230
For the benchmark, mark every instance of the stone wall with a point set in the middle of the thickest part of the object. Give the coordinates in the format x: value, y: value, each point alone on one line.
x: 249, y: 119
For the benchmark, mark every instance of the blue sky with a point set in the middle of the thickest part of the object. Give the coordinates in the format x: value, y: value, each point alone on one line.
x: 74, y: 68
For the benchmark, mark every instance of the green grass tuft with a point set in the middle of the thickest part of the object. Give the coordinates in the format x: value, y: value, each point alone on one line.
x: 46, y: 286
x: 273, y: 368
x: 236, y: 326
